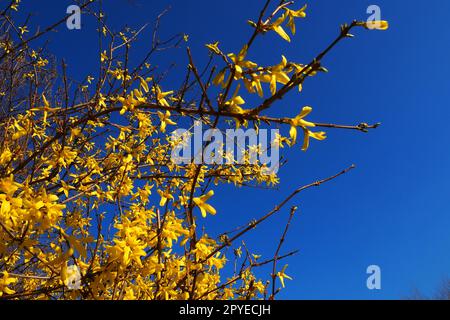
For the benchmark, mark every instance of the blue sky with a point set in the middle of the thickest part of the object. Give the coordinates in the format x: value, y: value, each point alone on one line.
x: 393, y: 210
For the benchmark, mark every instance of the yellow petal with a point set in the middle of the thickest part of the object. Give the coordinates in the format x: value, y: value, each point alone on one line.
x: 303, y: 123
x: 259, y: 89
x: 238, y: 100
x: 282, y: 33
x: 203, y: 211
x: 318, y: 135
x: 208, y: 195
x: 293, y: 134
x: 243, y: 53
x: 280, y: 20
x: 144, y: 84
x: 273, y: 85
x: 163, y: 126
x: 209, y: 208
x: 305, y: 140
x: 6, y: 207
x: 299, y: 13
x: 283, y: 77
x: 291, y: 25
x: 218, y: 79
x: 305, y: 111
x: 76, y: 244
x: 45, y: 101
x: 214, y: 47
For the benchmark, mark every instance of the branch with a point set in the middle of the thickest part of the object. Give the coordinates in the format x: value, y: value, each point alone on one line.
x: 280, y: 244
x: 298, y: 79
x: 277, y: 208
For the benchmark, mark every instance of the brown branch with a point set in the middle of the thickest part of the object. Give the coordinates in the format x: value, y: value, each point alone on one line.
x: 309, y: 69
x: 46, y: 30
x: 200, y: 83
x: 277, y: 208
x: 280, y: 244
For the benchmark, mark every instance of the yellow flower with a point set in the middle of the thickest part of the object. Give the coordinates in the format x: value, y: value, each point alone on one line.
x: 277, y: 74
x: 234, y: 104
x: 46, y: 108
x: 299, y: 122
x: 161, y: 96
x: 165, y: 195
x: 5, y: 156
x: 20, y: 130
x: 165, y: 120
x: 316, y: 135
x: 66, y: 156
x: 295, y: 14
x: 282, y: 275
x: 129, y: 294
x: 203, y: 206
x: 299, y: 13
x: 276, y: 26
x: 15, y: 5
x: 103, y: 56
x: 144, y: 84
x: 5, y: 282
x: 128, y: 250
x: 240, y: 63
x: 65, y: 188
x: 220, y: 77
x: 23, y: 29
x: 8, y: 186
x: 214, y: 47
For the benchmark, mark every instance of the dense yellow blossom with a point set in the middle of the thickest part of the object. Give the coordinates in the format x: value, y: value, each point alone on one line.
x: 88, y: 188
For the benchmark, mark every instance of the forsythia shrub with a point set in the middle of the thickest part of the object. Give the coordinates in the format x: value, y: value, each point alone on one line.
x: 87, y: 185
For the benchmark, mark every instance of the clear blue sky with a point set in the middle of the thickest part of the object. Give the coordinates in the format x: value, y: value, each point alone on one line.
x: 392, y: 211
